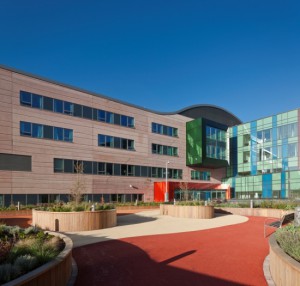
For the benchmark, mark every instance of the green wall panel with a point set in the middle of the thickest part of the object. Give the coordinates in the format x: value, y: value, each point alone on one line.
x: 194, y: 142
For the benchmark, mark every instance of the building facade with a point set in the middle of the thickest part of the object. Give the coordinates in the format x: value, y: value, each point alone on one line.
x: 52, y: 133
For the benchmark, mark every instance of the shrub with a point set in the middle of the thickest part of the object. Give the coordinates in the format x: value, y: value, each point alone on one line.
x: 289, y: 240
x: 8, y: 272
x: 25, y: 263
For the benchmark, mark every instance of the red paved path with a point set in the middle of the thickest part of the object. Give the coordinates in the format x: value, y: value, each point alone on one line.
x: 231, y: 255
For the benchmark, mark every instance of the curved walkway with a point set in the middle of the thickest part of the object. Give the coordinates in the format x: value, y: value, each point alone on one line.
x: 149, y: 249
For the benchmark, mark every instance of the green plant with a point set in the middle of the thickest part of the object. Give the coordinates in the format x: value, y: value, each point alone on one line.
x: 289, y: 240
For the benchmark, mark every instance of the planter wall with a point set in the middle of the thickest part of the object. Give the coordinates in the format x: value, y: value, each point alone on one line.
x: 200, y: 212
x: 285, y: 270
x: 74, y: 221
x: 53, y: 273
x: 254, y: 212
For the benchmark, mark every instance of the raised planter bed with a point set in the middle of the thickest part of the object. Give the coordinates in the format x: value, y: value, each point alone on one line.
x: 285, y: 270
x: 15, y: 213
x: 74, y: 221
x: 276, y: 213
x: 56, y: 272
x: 200, y: 212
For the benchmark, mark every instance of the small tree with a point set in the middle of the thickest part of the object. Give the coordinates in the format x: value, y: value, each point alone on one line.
x: 79, y: 185
x: 184, y: 187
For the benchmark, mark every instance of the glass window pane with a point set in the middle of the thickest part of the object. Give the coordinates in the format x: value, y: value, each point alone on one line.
x: 117, y: 119
x: 25, y: 98
x: 58, y: 165
x: 87, y: 167
x: 58, y: 105
x: 137, y: 171
x: 58, y: 133
x: 130, y: 144
x: 117, y: 169
x: 25, y: 128
x: 37, y: 101
x: 87, y: 112
x: 37, y: 130
x: 130, y: 122
x: 68, y: 135
x: 48, y: 132
x: 109, y: 141
x: 124, y: 143
x: 154, y: 127
x: 144, y: 171
x: 124, y: 120
x: 101, y: 168
x: 109, y: 168
x: 109, y: 117
x: 101, y: 140
x: 68, y: 166
x: 77, y: 110
x: 123, y: 170
x: 154, y: 148
x: 130, y: 170
x: 48, y: 103
x: 117, y: 142
x: 68, y: 108
x: 101, y: 115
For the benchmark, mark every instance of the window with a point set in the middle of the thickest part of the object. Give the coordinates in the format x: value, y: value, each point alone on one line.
x: 73, y: 109
x: 44, y: 131
x: 58, y: 133
x: 58, y: 106
x: 215, y: 143
x: 163, y: 129
x: 292, y: 150
x: 14, y: 162
x: 109, y: 169
x: 115, y: 142
x: 37, y: 130
x: 37, y: 101
x: 101, y: 169
x: 25, y: 128
x: 200, y: 175
x: 164, y: 150
x: 58, y: 165
x: 68, y: 108
x: 68, y: 135
x: 25, y: 98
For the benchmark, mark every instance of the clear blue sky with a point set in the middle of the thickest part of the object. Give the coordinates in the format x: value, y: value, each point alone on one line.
x: 164, y: 55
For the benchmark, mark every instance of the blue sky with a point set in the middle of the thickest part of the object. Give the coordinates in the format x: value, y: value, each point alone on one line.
x: 164, y: 55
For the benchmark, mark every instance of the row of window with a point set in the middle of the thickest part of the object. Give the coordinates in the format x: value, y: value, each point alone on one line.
x: 215, y: 134
x: 216, y: 152
x: 115, y: 142
x: 73, y: 109
x: 164, y: 130
x: 271, y: 153
x: 46, y: 131
x: 113, y: 169
x: 164, y: 150
x: 200, y: 175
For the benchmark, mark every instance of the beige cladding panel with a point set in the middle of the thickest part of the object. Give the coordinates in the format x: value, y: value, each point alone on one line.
x: 42, y: 179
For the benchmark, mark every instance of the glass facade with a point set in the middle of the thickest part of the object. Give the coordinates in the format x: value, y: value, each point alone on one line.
x: 215, y: 143
x: 265, y: 159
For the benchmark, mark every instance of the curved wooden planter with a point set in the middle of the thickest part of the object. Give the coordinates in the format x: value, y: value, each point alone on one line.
x: 74, y: 221
x: 284, y: 269
x: 56, y: 272
x: 200, y: 212
x: 276, y: 213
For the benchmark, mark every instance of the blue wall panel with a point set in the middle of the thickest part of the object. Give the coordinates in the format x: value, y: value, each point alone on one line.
x: 267, y: 186
x: 283, y: 188
x: 253, y: 154
x: 274, y: 137
x: 233, y: 148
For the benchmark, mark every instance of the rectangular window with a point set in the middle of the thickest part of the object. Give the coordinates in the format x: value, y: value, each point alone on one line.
x: 124, y: 143
x: 109, y: 117
x: 101, y: 115
x: 101, y: 140
x: 58, y: 165
x: 130, y: 144
x: 109, y: 141
x: 130, y: 122
x: 25, y: 128
x: 48, y: 132
x: 48, y: 103
x: 123, y: 120
x: 130, y: 170
x: 77, y: 110
x: 164, y: 150
x: 88, y: 167
x: 110, y: 170
x: 68, y: 135
x: 144, y: 171
x: 68, y: 108
x: 69, y: 166
x: 163, y: 129
x: 101, y: 169
x: 25, y: 98
x: 36, y: 101
x: 58, y: 106
x: 123, y: 170
x: 58, y: 133
x: 117, y: 142
x: 37, y: 131
x: 117, y: 169
x: 117, y: 119
x: 87, y: 112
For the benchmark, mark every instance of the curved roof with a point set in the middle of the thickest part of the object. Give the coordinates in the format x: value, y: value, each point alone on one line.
x: 210, y: 112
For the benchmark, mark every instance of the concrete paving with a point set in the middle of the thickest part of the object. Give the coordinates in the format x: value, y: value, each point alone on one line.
x: 151, y: 223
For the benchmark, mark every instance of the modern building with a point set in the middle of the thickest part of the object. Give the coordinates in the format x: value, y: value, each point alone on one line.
x: 50, y: 133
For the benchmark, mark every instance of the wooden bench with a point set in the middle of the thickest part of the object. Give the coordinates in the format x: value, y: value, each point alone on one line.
x: 278, y: 223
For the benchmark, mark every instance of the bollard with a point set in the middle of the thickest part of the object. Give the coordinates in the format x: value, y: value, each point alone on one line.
x: 205, y: 203
x: 297, y: 216
x: 251, y: 204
